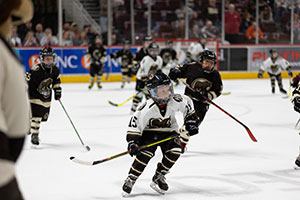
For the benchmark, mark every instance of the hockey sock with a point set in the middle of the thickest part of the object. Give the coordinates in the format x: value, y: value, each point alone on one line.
x: 140, y: 162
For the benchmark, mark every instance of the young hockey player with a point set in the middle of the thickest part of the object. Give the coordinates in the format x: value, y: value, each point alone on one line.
x: 14, y: 104
x: 168, y: 56
x: 274, y: 65
x: 141, y: 53
x: 150, y: 64
x: 296, y: 101
x: 195, y: 49
x: 155, y: 120
x: 203, y: 77
x: 41, y: 79
x: 126, y: 61
x: 98, y: 57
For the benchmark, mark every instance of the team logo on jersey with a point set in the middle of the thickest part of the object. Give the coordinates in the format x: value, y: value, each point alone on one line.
x: 274, y: 68
x: 177, y: 97
x: 86, y: 61
x: 202, y: 84
x: 45, y: 88
x: 160, y: 123
x: 33, y: 60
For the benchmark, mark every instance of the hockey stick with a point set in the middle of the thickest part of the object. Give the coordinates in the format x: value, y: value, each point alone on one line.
x: 225, y: 93
x: 87, y: 147
x: 296, y: 126
x: 90, y: 163
x: 121, y: 104
x: 210, y: 101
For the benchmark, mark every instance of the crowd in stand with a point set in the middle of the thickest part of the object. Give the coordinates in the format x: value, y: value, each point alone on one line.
x: 168, y: 21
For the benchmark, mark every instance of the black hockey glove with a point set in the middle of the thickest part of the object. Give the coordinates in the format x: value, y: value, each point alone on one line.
x: 174, y: 73
x: 191, y: 125
x: 297, y: 104
x: 57, y: 93
x: 133, y: 148
x: 260, y: 75
x: 290, y: 74
x: 201, y: 95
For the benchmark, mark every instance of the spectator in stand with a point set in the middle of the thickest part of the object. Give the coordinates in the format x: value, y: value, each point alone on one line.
x: 75, y: 31
x: 39, y: 33
x: 82, y: 40
x: 210, y: 30
x: 251, y: 33
x: 23, y: 29
x: 196, y: 20
x: 246, y: 22
x: 180, y: 29
x: 30, y: 40
x: 49, y: 39
x: 266, y: 16
x: 66, y: 40
x: 212, y: 13
x: 144, y: 24
x: 103, y: 15
x: 180, y: 12
x: 195, y: 33
x: 89, y: 34
x: 14, y: 39
x: 296, y: 28
x: 232, y: 25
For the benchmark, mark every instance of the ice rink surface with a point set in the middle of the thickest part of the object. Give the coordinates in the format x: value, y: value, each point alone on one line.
x: 221, y: 162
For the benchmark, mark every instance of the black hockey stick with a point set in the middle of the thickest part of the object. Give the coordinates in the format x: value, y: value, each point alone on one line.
x: 121, y: 104
x: 87, y: 147
x: 210, y: 101
x: 90, y: 163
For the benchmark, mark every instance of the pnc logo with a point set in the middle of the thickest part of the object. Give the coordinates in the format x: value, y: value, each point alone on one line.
x: 86, y: 61
x: 33, y: 60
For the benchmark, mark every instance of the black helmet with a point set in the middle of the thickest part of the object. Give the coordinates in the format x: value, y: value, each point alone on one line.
x: 153, y: 47
x: 160, y: 87
x: 208, y: 55
x: 273, y: 51
x: 148, y: 38
x: 126, y: 42
x: 47, y: 51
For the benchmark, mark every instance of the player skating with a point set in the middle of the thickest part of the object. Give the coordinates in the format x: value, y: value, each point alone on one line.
x: 274, y: 65
x: 154, y: 121
x: 203, y: 77
x: 141, y: 53
x: 195, y: 49
x: 126, y: 61
x: 150, y: 64
x: 97, y: 54
x: 42, y: 79
x: 296, y: 101
x: 14, y: 104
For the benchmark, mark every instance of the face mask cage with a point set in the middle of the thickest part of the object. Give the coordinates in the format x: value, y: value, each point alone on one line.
x: 42, y: 58
x: 162, y: 94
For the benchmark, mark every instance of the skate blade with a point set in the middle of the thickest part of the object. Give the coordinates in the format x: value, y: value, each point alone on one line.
x: 157, y: 189
x: 34, y: 146
x: 125, y: 194
x: 296, y: 167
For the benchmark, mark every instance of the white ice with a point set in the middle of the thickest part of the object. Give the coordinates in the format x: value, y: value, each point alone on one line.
x: 221, y: 161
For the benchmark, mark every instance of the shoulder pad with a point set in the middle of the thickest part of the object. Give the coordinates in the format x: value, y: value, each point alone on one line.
x: 142, y: 106
x: 177, y: 97
x: 35, y: 67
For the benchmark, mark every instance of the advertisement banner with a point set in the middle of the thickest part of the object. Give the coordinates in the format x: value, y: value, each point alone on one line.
x: 70, y: 60
x: 257, y: 54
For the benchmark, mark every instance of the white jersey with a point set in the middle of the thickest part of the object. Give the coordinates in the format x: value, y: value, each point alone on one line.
x: 171, y: 64
x: 276, y: 67
x: 14, y: 105
x: 195, y: 49
x: 148, y: 116
x: 148, y: 63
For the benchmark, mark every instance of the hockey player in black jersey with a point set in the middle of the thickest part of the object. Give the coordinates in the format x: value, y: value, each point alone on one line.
x: 168, y: 53
x: 97, y: 54
x: 126, y: 61
x: 296, y: 101
x: 42, y: 79
x: 154, y: 121
x: 141, y: 53
x: 203, y: 77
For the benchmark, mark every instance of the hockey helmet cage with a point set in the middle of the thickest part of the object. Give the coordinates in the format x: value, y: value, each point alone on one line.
x: 153, y: 47
x: 160, y: 88
x: 47, y: 51
x: 208, y: 55
x: 148, y: 39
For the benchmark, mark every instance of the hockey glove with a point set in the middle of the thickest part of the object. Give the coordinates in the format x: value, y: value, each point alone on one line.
x: 260, y: 74
x: 201, y: 95
x: 174, y: 73
x: 295, y: 81
x: 183, y: 138
x: 57, y: 93
x: 191, y: 125
x: 133, y: 148
x: 290, y: 74
x: 297, y: 104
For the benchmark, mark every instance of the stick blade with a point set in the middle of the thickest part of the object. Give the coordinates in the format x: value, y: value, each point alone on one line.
x: 112, y: 103
x: 82, y: 162
x: 251, y: 135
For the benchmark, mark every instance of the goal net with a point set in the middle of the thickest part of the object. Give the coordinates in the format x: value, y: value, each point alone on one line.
x: 181, y: 46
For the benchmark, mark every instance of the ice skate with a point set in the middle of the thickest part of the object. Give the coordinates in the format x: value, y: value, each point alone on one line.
x: 297, y: 164
x: 122, y: 86
x: 127, y: 186
x: 273, y: 90
x: 99, y: 85
x: 91, y: 85
x: 159, y: 183
x: 35, y: 141
x: 283, y: 91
